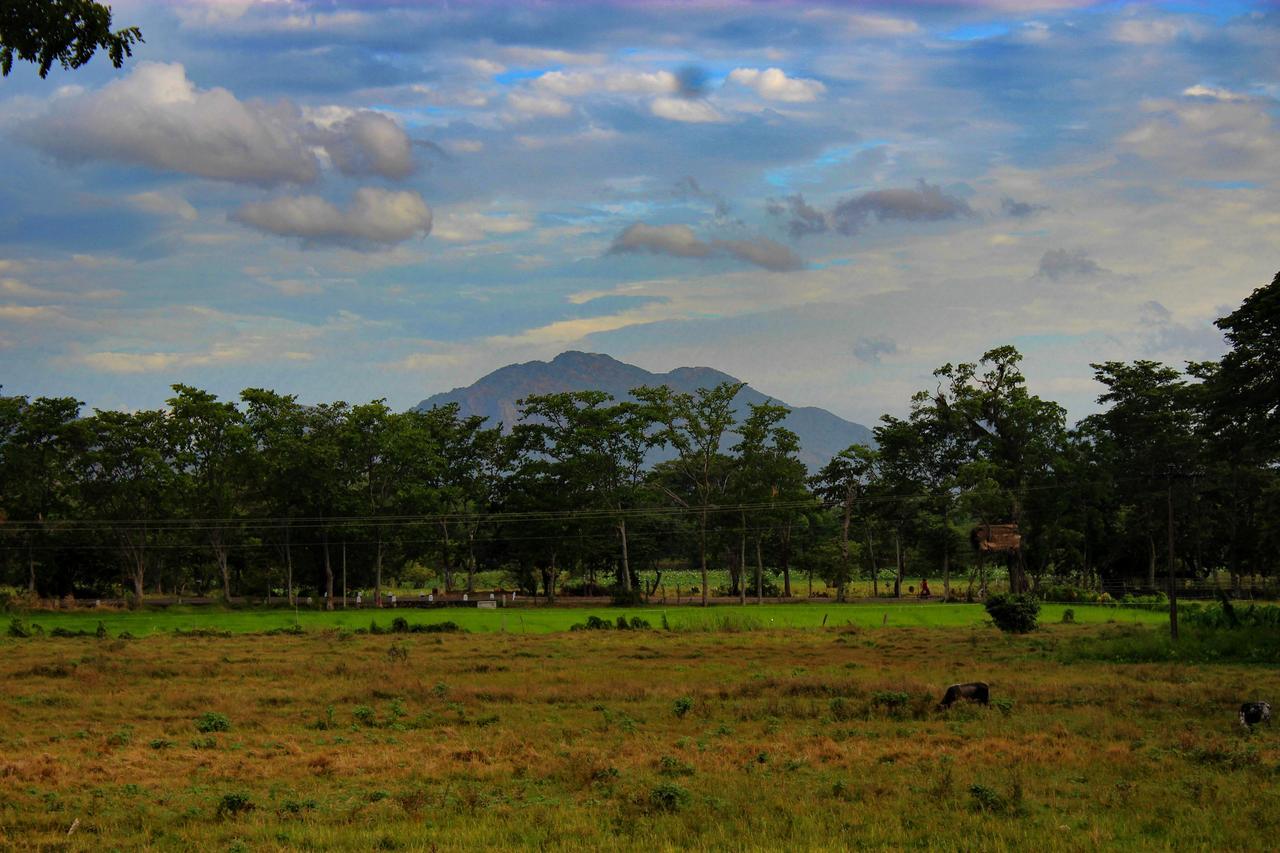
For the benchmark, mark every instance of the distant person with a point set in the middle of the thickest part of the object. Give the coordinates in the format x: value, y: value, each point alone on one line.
x: 924, y: 588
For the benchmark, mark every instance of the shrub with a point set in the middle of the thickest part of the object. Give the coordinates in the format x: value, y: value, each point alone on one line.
x: 669, y: 797
x: 682, y: 706
x: 364, y: 715
x: 397, y: 653
x: 161, y: 743
x: 890, y: 699
x: 987, y: 799
x: 233, y: 804
x: 1064, y: 592
x: 671, y: 766
x: 1068, y: 616
x: 19, y: 628
x: 1004, y: 703
x: 435, y: 628
x: 212, y: 721
x: 399, y: 625
x: 638, y: 624
x: 1015, y: 614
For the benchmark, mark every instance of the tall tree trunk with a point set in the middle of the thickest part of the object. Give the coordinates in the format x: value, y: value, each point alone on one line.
x: 742, y: 561
x: 377, y: 573
x: 471, y: 560
x: 786, y: 558
x: 344, y: 574
x: 626, y: 560
x: 447, y: 559
x: 328, y: 575
x: 871, y: 556
x: 31, y: 569
x: 844, y: 547
x: 759, y: 572
x: 946, y: 551
x: 288, y: 568
x: 702, y: 552
x: 897, y: 558
x: 220, y: 552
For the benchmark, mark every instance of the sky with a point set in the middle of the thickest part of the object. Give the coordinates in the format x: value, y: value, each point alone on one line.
x: 352, y: 201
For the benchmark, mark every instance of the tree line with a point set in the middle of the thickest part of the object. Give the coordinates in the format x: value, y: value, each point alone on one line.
x: 1175, y: 478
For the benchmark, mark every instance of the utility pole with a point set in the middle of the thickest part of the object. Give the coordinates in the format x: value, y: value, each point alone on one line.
x: 1173, y: 587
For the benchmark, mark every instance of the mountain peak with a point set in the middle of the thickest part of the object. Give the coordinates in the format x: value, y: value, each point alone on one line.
x: 495, y: 395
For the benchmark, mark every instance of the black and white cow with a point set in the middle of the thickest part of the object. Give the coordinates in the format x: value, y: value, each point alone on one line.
x: 974, y: 691
x: 1252, y: 713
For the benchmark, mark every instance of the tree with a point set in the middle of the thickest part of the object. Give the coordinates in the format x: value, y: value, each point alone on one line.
x: 841, y: 485
x: 68, y: 32
x: 695, y: 427
x: 599, y: 450
x: 212, y: 448
x: 1246, y: 386
x: 39, y: 443
x: 126, y: 479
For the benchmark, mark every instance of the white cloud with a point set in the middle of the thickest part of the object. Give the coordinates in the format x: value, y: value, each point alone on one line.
x: 1209, y: 139
x: 1153, y: 31
x: 163, y: 204
x: 472, y: 226
x: 773, y: 84
x: 539, y: 106
x: 571, y: 84
x: 374, y: 217
x: 157, y: 117
x: 1201, y: 91
x: 683, y: 109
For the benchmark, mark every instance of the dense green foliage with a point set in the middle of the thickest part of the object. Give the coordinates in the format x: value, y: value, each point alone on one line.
x: 68, y: 32
x: 1014, y: 614
x: 1174, y: 480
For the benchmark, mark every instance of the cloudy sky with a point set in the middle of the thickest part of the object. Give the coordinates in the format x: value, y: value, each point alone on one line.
x: 356, y: 200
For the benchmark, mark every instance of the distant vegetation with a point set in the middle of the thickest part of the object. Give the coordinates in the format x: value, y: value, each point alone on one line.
x: 1177, y: 474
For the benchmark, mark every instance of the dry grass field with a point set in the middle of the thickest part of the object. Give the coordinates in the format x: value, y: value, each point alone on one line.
x: 781, y: 739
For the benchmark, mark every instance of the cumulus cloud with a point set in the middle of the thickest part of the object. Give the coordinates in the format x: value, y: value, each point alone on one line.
x: 158, y: 118
x: 871, y: 350
x: 680, y: 241
x: 1059, y: 264
x: 375, y: 217
x: 368, y: 143
x: 686, y: 110
x: 1020, y: 209
x: 773, y: 84
x: 923, y: 203
x: 572, y: 84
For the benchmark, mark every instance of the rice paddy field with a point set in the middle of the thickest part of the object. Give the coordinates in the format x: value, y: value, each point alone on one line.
x: 732, y: 730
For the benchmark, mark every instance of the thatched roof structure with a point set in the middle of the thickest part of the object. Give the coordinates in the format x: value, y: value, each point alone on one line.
x: 996, y: 538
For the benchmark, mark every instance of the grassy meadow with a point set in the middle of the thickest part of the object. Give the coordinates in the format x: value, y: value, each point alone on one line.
x: 779, y: 738
x: 541, y: 619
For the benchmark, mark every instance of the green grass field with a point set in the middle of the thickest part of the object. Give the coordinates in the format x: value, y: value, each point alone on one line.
x: 540, y: 620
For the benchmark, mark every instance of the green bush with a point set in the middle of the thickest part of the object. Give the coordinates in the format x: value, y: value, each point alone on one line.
x: 233, y: 804
x: 399, y: 625
x: 669, y: 797
x: 19, y: 628
x: 1014, y: 614
x: 1068, y: 616
x: 1064, y: 593
x: 682, y: 706
x: 212, y: 721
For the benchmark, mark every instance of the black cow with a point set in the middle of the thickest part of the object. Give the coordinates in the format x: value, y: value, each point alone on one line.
x: 1252, y: 713
x: 974, y: 691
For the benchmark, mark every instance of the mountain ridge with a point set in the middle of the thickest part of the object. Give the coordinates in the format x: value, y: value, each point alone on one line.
x: 822, y: 434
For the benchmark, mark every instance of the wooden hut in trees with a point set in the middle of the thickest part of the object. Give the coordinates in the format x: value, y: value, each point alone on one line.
x: 1000, y: 541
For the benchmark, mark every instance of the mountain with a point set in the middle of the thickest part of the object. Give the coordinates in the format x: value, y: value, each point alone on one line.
x: 822, y: 434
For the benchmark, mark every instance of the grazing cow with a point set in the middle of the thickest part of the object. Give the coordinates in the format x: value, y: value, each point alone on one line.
x: 1252, y: 713
x: 974, y: 691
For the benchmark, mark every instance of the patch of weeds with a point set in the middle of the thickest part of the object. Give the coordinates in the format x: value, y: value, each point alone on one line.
x: 123, y: 737
x: 682, y: 706
x: 206, y: 742
x: 669, y: 797
x: 987, y: 799
x: 890, y: 700
x: 326, y: 722
x: 842, y: 708
x: 365, y: 716
x: 671, y: 766
x: 1004, y: 704
x: 377, y: 796
x: 160, y: 743
x: 297, y: 807
x: 1235, y: 756
x: 212, y: 721
x: 234, y: 804
x: 1068, y: 616
x: 604, y: 775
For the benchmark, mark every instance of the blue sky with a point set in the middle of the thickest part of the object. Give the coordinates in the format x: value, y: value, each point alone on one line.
x: 360, y: 200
